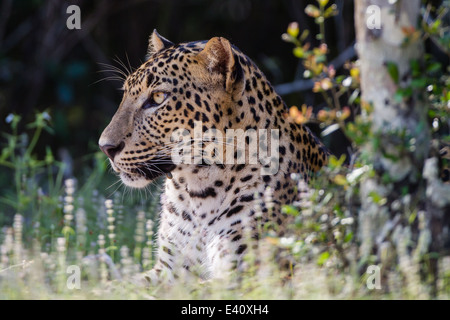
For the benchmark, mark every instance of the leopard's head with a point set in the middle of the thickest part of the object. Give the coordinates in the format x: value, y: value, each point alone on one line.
x: 177, y: 85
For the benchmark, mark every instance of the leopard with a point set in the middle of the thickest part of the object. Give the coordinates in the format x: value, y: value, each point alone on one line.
x: 208, y: 207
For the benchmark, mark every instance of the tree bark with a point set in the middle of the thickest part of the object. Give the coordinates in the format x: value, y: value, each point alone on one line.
x: 377, y: 49
x: 397, y: 229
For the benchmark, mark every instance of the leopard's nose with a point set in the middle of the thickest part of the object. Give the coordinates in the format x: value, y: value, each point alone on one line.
x: 111, y: 150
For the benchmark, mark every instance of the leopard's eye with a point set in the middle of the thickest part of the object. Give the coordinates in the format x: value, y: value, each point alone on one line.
x: 156, y: 98
x: 159, y: 97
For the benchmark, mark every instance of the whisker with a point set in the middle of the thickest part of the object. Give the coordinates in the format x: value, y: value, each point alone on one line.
x: 129, y: 65
x: 120, y: 184
x: 113, y: 69
x: 113, y: 184
x: 123, y: 65
x: 108, y: 79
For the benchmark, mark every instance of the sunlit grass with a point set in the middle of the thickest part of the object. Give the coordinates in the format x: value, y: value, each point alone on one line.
x: 69, y: 239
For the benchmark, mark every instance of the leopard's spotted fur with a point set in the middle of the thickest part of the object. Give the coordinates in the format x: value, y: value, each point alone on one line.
x: 205, y: 207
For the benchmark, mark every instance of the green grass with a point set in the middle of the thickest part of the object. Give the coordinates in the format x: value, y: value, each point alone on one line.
x: 51, y: 228
x: 34, y: 260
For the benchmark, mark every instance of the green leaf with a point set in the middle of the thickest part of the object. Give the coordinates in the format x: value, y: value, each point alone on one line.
x: 403, y: 94
x: 378, y: 199
x: 304, y: 35
x: 290, y: 210
x: 434, y: 67
x: 412, y: 217
x: 348, y: 237
x: 392, y: 69
x: 5, y: 154
x: 340, y: 180
x: 435, y: 26
x: 111, y: 248
x: 49, y: 156
x: 299, y: 52
x: 419, y: 83
x: 416, y: 69
x: 331, y: 11
x: 323, y: 258
x: 337, y: 163
x: 67, y: 231
x: 340, y: 79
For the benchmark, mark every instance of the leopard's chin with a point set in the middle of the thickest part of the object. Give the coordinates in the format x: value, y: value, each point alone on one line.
x: 135, y: 181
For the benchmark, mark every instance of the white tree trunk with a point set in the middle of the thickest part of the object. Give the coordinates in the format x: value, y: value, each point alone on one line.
x: 377, y: 48
x: 404, y: 136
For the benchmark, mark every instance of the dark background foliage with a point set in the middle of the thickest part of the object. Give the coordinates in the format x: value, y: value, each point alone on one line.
x: 45, y: 66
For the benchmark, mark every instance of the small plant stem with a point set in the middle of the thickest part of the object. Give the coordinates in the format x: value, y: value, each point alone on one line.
x: 327, y: 100
x: 322, y: 25
x: 7, y: 164
x: 33, y: 142
x: 322, y: 32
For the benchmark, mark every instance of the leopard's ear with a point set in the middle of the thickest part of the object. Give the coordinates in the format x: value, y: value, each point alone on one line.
x: 219, y: 58
x: 157, y: 43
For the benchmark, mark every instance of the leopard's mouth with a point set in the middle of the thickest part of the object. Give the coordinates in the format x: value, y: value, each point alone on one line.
x: 153, y: 170
x: 142, y: 174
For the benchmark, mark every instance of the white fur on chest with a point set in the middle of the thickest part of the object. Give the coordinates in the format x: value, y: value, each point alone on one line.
x: 204, y: 219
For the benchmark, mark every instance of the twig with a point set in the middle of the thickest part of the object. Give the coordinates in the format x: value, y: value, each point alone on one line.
x: 23, y: 265
x: 303, y: 85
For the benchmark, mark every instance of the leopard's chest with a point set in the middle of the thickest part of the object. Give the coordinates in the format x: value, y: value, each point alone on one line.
x: 205, y: 198
x: 207, y: 213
